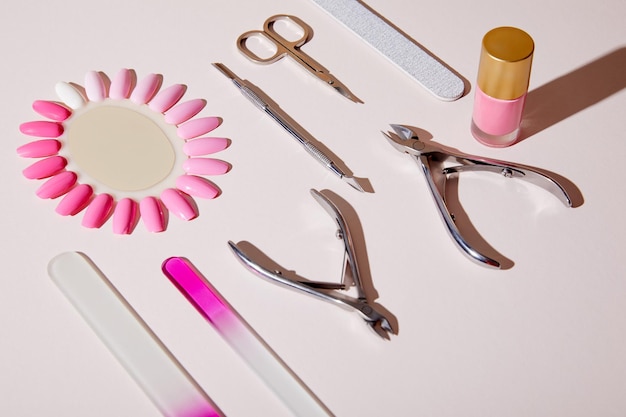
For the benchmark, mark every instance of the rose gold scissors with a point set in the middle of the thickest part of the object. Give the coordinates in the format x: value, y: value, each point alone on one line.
x: 285, y: 47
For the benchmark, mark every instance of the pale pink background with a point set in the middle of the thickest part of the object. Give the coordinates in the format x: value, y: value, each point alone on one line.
x: 545, y: 337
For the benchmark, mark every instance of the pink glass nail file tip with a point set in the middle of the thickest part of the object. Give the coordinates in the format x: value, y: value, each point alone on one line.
x: 242, y: 338
x: 172, y: 390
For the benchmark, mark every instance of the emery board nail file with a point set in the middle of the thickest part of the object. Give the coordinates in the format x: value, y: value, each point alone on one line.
x: 417, y: 63
x: 135, y: 346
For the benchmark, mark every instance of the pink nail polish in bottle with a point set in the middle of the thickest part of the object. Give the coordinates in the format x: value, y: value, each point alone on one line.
x: 503, y: 76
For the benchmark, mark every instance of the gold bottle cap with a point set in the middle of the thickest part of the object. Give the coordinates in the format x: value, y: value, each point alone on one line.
x: 505, y: 60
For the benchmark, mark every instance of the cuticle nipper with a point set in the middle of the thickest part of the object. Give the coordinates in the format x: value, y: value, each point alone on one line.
x: 431, y: 157
x: 328, y: 291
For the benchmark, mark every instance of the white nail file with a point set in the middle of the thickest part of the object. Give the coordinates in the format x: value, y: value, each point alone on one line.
x: 406, y: 54
x: 127, y: 336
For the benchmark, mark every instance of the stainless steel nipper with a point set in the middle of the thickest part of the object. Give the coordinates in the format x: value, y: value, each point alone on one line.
x: 432, y: 159
x: 328, y: 291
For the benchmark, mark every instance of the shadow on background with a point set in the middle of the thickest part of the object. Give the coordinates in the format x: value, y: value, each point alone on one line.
x: 573, y: 92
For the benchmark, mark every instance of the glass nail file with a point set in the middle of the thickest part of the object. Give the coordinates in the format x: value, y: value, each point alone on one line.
x: 403, y: 52
x: 243, y: 339
x: 277, y: 115
x: 135, y: 346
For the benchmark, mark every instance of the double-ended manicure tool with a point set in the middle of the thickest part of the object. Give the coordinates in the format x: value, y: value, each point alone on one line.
x: 431, y: 159
x: 327, y: 291
x: 263, y: 104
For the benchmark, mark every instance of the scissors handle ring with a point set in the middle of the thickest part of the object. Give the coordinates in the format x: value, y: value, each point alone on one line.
x: 243, y: 47
x: 283, y: 46
x: 307, y: 31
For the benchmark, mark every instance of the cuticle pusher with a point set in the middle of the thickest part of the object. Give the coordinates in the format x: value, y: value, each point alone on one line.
x: 277, y: 115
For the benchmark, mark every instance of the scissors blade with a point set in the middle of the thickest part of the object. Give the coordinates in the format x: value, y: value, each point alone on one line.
x: 318, y: 70
x: 339, y: 87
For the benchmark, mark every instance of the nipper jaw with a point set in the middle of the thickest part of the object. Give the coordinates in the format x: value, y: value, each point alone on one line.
x: 438, y: 164
x: 328, y: 291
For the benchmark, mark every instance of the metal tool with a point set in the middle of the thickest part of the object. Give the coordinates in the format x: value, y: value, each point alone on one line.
x: 283, y: 120
x: 285, y: 47
x: 327, y: 291
x: 431, y: 159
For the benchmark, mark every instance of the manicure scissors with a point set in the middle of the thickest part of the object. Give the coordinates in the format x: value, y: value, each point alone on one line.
x: 431, y: 158
x: 285, y: 47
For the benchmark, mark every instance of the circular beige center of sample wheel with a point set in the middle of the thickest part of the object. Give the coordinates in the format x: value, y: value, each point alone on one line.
x: 121, y: 148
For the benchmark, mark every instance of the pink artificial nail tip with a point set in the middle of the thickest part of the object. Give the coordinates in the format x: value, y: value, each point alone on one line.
x: 205, y: 166
x: 41, y: 128
x: 198, y: 127
x: 167, y: 97
x: 57, y: 185
x: 178, y: 204
x: 204, y: 146
x: 98, y: 211
x: 51, y: 110
x: 197, y: 186
x: 94, y: 86
x: 75, y: 200
x: 145, y: 89
x: 39, y: 148
x: 45, y: 168
x: 124, y: 216
x: 152, y: 214
x: 184, y: 111
x: 120, y: 85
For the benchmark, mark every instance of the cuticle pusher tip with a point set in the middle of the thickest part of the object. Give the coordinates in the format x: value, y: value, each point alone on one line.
x: 353, y: 183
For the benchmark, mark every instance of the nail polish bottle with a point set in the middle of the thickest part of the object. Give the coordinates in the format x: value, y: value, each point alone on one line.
x: 503, y: 76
